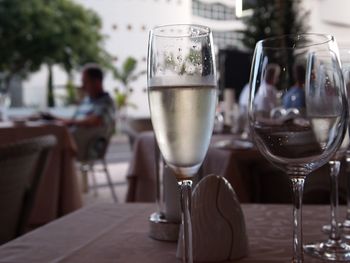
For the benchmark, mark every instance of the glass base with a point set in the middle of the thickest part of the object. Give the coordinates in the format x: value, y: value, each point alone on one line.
x: 346, y: 223
x: 331, y: 250
x: 345, y: 229
x: 327, y: 228
x: 162, y: 229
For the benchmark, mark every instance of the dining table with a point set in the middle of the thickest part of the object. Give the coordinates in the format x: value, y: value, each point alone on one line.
x: 141, y: 173
x: 107, y: 232
x: 59, y: 192
x: 253, y: 178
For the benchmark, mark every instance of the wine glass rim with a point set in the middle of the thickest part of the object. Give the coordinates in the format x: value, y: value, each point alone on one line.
x: 205, y: 30
x: 326, y: 39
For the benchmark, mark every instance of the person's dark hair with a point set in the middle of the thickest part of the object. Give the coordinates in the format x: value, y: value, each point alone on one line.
x: 299, y: 73
x: 94, y: 72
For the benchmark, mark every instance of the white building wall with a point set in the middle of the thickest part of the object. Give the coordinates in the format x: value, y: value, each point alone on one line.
x: 327, y: 16
x: 330, y: 17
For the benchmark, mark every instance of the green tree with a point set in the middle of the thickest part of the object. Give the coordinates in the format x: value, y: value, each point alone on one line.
x: 18, y: 55
x: 272, y: 18
x: 125, y: 75
x: 50, y: 32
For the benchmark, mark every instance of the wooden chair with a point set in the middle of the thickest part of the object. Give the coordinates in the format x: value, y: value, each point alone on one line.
x: 21, y: 167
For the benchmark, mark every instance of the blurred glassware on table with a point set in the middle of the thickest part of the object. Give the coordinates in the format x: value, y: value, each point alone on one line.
x: 235, y: 119
x: 5, y: 102
x: 229, y: 100
x: 236, y: 144
x: 243, y: 107
x: 297, y: 145
x: 219, y: 122
x: 244, y: 123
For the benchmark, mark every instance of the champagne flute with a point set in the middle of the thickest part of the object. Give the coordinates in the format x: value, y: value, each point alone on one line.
x: 297, y: 114
x: 182, y: 95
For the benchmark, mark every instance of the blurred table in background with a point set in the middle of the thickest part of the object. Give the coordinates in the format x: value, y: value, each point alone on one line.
x: 26, y: 112
x: 253, y: 178
x: 59, y: 192
x: 233, y: 165
x: 119, y: 233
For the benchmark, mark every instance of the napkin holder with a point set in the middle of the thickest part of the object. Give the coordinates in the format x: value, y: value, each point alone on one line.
x: 218, y: 225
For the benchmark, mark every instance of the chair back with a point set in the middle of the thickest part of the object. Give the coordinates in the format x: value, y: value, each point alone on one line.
x: 92, y: 143
x: 97, y: 148
x: 21, y: 167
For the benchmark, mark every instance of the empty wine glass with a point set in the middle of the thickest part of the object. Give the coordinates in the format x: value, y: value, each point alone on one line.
x: 345, y: 226
x: 345, y: 61
x: 182, y: 96
x: 297, y: 114
x: 335, y: 248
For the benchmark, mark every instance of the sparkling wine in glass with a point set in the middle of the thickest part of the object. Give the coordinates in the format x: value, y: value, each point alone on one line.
x: 297, y: 109
x: 182, y: 96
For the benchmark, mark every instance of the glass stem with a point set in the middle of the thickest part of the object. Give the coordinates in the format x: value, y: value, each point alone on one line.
x: 186, y: 195
x: 334, y: 171
x: 298, y: 187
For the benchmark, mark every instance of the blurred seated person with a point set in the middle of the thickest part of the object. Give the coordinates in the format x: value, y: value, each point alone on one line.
x: 295, y: 97
x: 266, y: 97
x: 95, y: 115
